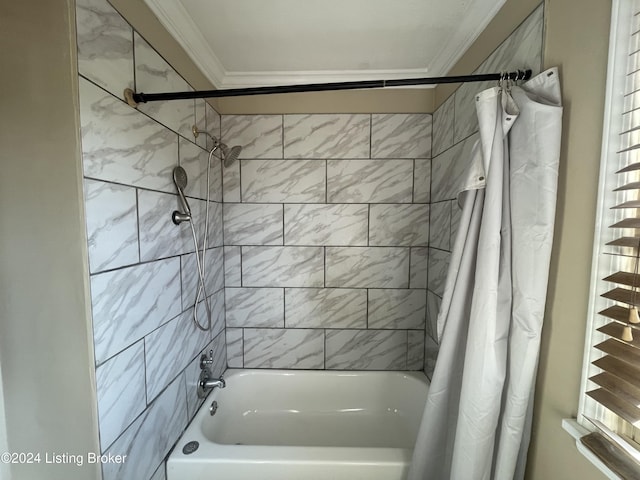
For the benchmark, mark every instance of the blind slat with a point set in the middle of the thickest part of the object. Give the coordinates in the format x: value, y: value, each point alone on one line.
x: 632, y: 166
x: 623, y: 295
x: 629, y: 204
x: 621, y: 351
x: 625, y: 242
x: 623, y: 370
x: 614, y: 330
x: 621, y: 389
x: 624, y: 278
x: 627, y: 223
x: 621, y: 408
x: 628, y: 186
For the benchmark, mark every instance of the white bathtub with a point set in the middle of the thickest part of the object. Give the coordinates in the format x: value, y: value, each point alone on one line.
x: 304, y: 425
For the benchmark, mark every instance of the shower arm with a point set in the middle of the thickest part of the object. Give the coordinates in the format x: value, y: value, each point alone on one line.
x: 134, y: 98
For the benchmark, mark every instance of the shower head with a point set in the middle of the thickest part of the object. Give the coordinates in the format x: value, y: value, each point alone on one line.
x: 230, y: 155
x: 180, y: 179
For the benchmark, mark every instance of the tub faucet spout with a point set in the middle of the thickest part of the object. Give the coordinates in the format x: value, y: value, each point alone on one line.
x: 206, y: 383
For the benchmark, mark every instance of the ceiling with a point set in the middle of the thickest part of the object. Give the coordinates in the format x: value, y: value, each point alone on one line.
x: 251, y: 43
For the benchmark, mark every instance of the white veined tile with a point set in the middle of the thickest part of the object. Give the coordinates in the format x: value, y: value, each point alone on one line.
x: 120, y: 386
x: 438, y: 267
x: 283, y: 348
x: 422, y: 181
x: 443, y: 126
x: 232, y: 267
x: 105, y: 46
x: 252, y: 224
x: 366, y: 349
x: 401, y: 135
x: 321, y: 224
x: 433, y: 310
x: 399, y: 225
x: 367, y: 267
x: 325, y: 308
x: 449, y: 170
x: 151, y: 436
x: 260, y: 136
x: 326, y: 136
x: 418, y: 269
x: 235, y: 347
x: 112, y: 225
x: 278, y: 181
x: 170, y: 348
x: 397, y: 309
x: 213, y: 273
x: 255, y: 307
x: 154, y: 74
x: 131, y: 302
x: 369, y: 181
x: 440, y: 225
x: 122, y: 145
x: 282, y: 266
x: 415, y: 350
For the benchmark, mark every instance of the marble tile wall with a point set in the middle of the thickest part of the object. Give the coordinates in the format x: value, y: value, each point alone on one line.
x: 455, y: 129
x: 142, y: 266
x: 326, y: 234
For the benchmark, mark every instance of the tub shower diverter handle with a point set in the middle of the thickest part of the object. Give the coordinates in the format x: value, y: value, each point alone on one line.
x: 206, y: 362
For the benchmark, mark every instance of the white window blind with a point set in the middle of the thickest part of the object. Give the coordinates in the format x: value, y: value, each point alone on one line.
x: 611, y: 380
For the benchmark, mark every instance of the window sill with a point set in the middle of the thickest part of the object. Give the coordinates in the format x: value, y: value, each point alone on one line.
x: 573, y: 428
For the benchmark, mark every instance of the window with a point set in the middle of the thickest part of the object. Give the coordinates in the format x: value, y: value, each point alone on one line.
x: 611, y: 379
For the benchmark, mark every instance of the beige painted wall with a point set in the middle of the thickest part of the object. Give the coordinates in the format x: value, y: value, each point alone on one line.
x: 579, y: 48
x: 45, y: 335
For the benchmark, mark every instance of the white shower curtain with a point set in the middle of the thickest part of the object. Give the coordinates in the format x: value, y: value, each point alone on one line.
x: 477, y: 418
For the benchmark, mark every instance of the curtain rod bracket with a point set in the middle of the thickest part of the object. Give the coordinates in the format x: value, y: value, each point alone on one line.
x: 134, y: 99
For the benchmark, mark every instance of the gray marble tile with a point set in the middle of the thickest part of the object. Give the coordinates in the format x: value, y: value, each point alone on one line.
x: 169, y: 349
x: 252, y: 224
x: 148, y: 440
x: 415, y: 350
x: 321, y: 224
x: 366, y: 349
x: 282, y: 266
x: 440, y: 225
x: 231, y: 182
x: 401, y: 135
x: 160, y: 473
x: 418, y: 267
x: 232, y: 267
x: 422, y: 181
x: 431, y: 349
x: 214, y: 275
x: 326, y: 136
x: 521, y: 50
x: 235, y: 348
x: 325, y: 308
x: 399, y: 225
x: 456, y: 215
x: 369, y: 181
x: 438, y: 267
x: 255, y: 307
x: 290, y: 181
x: 215, y: 225
x: 397, y: 309
x: 112, y: 225
x: 154, y: 75
x: 449, y: 170
x: 120, y: 144
x: 159, y: 236
x: 217, y: 302
x: 367, y: 267
x: 260, y: 136
x: 105, y: 46
x: 195, y: 162
x: 283, y: 348
x: 131, y: 302
x: 443, y: 127
x: 433, y: 309
x: 217, y: 349
x: 121, y: 392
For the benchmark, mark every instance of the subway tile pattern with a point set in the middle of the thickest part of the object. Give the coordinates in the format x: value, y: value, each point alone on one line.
x: 327, y: 136
x: 334, y: 229
x: 143, y: 272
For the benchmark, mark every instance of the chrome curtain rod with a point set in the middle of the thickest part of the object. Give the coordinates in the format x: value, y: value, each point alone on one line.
x: 134, y: 98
